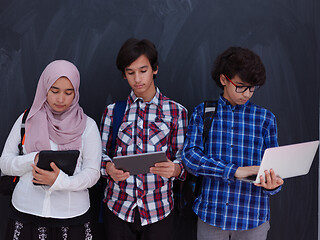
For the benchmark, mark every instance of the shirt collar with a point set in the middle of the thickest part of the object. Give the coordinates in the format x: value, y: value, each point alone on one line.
x: 156, y: 100
x: 224, y: 102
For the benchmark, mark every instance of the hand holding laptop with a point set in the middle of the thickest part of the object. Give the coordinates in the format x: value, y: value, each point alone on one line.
x: 271, y: 180
x: 285, y: 161
x: 243, y: 172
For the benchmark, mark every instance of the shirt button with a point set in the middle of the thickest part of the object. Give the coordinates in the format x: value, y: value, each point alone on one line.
x: 139, y: 143
x: 227, y: 204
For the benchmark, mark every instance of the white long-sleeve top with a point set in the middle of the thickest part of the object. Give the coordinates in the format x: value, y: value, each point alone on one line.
x: 68, y: 197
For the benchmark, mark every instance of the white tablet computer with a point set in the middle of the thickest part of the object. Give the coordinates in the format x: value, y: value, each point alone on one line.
x: 139, y: 163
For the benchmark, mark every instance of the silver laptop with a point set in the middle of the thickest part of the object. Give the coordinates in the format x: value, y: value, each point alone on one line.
x: 286, y: 161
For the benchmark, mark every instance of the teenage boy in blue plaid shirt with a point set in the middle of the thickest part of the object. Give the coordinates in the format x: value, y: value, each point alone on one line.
x: 140, y: 207
x: 240, y: 132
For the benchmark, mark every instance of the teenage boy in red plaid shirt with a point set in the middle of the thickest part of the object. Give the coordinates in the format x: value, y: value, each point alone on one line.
x: 140, y: 206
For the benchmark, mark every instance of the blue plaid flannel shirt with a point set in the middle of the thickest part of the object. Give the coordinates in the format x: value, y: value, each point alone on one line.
x: 238, y: 137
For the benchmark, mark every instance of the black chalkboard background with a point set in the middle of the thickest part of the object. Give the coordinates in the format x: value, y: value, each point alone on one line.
x: 189, y: 34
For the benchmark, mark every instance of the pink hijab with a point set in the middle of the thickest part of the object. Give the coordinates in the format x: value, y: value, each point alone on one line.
x: 43, y: 123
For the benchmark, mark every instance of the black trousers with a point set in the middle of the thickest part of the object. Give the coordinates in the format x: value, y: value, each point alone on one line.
x: 117, y: 229
x: 23, y: 226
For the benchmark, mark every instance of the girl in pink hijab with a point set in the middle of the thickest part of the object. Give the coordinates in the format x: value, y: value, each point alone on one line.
x: 58, y: 207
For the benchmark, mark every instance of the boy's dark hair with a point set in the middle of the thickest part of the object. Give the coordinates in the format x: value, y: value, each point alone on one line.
x: 242, y: 62
x: 132, y: 49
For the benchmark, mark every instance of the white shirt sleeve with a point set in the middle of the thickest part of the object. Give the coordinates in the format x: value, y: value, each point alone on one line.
x: 10, y: 162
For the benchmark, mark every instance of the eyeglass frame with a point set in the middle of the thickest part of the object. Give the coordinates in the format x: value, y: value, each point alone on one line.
x: 245, y: 87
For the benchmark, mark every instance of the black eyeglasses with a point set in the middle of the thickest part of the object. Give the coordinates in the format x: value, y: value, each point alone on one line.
x: 242, y: 89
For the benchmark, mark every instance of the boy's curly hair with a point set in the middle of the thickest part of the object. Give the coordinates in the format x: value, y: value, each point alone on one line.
x: 242, y: 62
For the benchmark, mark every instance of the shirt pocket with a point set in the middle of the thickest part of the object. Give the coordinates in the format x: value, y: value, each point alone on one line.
x: 158, y: 134
x: 125, y: 133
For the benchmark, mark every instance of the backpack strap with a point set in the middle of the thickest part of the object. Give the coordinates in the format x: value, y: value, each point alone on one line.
x: 23, y: 130
x: 210, y: 109
x: 118, y: 114
x: 102, y: 120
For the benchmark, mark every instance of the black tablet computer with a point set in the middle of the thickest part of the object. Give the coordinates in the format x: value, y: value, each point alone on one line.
x: 65, y: 160
x: 139, y: 163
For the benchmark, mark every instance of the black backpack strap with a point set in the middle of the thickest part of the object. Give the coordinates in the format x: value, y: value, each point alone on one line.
x: 209, y: 110
x: 102, y: 120
x: 23, y: 130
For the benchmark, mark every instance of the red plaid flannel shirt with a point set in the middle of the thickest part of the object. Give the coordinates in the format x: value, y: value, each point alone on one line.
x: 158, y: 125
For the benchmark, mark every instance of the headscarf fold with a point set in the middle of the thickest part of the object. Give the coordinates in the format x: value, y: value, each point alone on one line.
x: 43, y: 123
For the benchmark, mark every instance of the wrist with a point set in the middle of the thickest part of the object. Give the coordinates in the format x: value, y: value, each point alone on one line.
x: 237, y: 174
x: 108, y: 165
x: 177, y: 170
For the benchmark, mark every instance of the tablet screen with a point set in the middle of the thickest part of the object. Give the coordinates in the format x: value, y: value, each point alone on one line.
x: 139, y: 163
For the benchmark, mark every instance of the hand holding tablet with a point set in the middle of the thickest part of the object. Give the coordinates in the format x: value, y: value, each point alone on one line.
x: 64, y: 160
x: 139, y: 163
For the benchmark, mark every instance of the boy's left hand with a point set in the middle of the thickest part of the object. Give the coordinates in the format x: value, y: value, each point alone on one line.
x: 166, y: 169
x: 271, y: 180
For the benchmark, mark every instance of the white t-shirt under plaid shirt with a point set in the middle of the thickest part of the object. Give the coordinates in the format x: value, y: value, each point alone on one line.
x: 158, y: 125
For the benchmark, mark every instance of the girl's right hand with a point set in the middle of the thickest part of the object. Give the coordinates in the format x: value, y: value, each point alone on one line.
x: 45, y: 177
